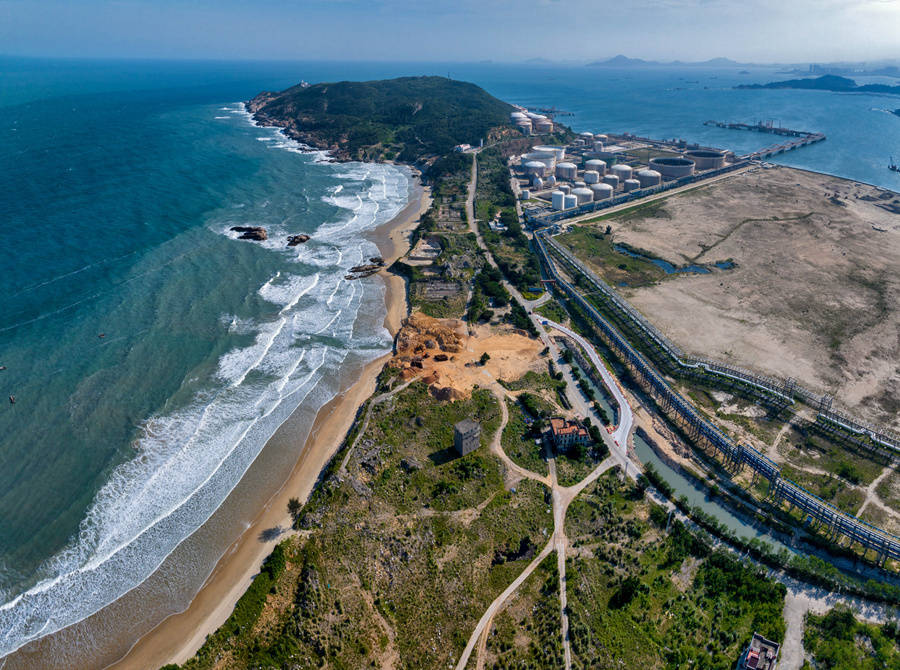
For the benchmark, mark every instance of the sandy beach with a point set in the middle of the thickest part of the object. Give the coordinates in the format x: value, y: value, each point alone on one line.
x: 179, y: 636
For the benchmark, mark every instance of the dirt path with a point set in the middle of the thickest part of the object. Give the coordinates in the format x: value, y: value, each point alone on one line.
x: 872, y: 495
x: 365, y: 425
x: 794, y: 615
x: 800, y: 600
x: 561, y: 496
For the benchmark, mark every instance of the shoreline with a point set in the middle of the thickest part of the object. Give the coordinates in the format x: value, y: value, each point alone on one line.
x: 177, y: 638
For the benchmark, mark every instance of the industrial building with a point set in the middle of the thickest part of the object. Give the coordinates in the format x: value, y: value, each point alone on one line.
x: 606, y: 169
x: 466, y: 436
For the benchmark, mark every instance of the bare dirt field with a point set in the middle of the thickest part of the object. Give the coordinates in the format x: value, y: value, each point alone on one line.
x: 815, y: 290
x: 448, y: 357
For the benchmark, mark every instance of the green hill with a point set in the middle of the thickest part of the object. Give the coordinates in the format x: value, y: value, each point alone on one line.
x: 410, y: 118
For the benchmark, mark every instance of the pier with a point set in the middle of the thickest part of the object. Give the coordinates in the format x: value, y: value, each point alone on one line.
x: 802, y: 137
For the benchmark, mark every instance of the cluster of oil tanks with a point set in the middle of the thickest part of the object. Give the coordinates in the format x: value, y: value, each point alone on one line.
x: 598, y: 182
x: 546, y: 164
x: 530, y: 123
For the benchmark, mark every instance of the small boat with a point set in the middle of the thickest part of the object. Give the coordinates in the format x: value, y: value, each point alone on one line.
x: 893, y: 166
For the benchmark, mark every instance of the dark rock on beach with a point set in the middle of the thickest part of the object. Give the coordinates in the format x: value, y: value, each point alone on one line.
x: 257, y: 233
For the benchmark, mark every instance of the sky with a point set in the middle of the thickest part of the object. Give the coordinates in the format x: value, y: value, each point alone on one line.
x: 765, y: 31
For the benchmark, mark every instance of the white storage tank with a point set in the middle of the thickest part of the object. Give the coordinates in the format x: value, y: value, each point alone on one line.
x: 548, y: 158
x: 565, y: 188
x: 706, y: 159
x: 524, y: 126
x: 622, y: 171
x: 674, y: 167
x: 515, y: 116
x: 587, y: 137
x: 566, y: 171
x: 559, y: 153
x: 537, y: 182
x: 571, y: 201
x: 591, y: 177
x: 649, y: 178
x: 579, y: 184
x: 526, y: 194
x: 612, y: 180
x: 583, y: 195
x: 542, y: 125
x: 602, y: 138
x: 558, y: 200
x: 534, y: 167
x: 598, y: 145
x: 597, y: 165
x: 631, y: 185
x: 578, y: 142
x: 602, y: 191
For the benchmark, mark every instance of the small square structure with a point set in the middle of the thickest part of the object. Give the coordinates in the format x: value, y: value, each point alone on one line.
x: 761, y: 654
x: 466, y: 436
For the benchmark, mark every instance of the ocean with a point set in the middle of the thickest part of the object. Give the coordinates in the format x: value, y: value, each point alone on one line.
x: 152, y: 355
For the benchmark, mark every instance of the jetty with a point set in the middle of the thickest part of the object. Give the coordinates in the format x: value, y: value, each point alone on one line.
x: 802, y: 137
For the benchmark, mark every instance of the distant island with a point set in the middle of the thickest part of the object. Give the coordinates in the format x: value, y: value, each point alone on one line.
x: 625, y: 61
x: 828, y: 82
x: 406, y: 119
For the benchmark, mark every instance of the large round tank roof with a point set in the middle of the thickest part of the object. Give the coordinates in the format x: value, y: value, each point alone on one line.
x: 705, y: 153
x: 601, y: 188
x: 586, y: 135
x: 535, y: 164
x: 567, y: 166
x: 648, y: 173
x: 595, y: 163
x: 672, y: 161
x: 581, y: 191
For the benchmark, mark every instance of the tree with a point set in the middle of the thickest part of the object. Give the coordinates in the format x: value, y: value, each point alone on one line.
x: 485, y: 357
x: 294, y: 507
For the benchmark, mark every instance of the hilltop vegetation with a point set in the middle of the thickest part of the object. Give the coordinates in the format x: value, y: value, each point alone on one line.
x: 408, y: 119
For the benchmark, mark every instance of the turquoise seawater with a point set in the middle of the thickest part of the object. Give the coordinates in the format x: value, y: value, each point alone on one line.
x: 150, y: 353
x: 118, y: 183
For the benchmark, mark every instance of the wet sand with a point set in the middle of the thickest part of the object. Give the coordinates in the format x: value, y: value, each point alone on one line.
x: 178, y: 637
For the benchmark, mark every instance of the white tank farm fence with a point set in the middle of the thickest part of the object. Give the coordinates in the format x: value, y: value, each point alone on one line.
x: 828, y: 518
x: 779, y: 391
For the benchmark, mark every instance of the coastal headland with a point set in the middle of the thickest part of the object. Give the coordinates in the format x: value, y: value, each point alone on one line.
x: 405, y: 537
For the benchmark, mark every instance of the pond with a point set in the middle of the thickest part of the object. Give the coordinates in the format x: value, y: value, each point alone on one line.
x: 666, y: 266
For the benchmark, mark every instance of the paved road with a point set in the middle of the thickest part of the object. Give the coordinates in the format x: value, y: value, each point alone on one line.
x: 626, y: 417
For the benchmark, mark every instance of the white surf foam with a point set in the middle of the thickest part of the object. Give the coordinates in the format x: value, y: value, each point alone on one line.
x: 190, y: 459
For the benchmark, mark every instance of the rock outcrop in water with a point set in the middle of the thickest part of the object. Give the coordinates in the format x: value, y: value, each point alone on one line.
x: 256, y: 233
x: 294, y: 240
